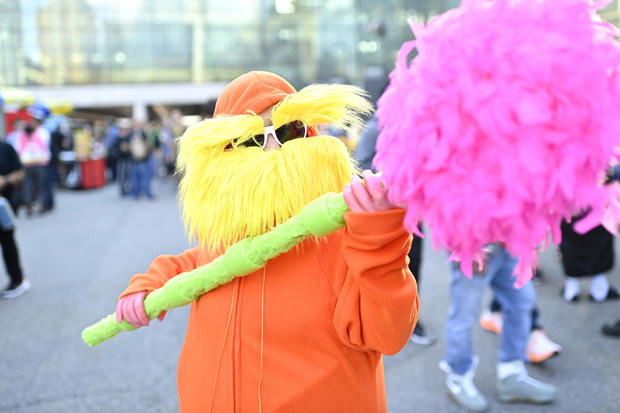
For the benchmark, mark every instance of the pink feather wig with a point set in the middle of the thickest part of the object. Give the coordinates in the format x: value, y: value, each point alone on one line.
x: 503, y: 124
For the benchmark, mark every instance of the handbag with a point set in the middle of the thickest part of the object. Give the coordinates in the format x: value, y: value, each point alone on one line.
x: 7, y: 218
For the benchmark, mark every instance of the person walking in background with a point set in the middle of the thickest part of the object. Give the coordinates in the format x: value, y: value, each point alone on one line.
x: 365, y: 149
x: 421, y: 335
x: 142, y: 165
x: 53, y: 177
x: 33, y: 148
x: 123, y: 159
x: 111, y: 146
x: 587, y: 255
x: 153, y: 139
x: 177, y: 127
x: 513, y: 382
x: 363, y: 154
x: 56, y: 146
x: 66, y: 147
x: 168, y: 148
x: 11, y: 174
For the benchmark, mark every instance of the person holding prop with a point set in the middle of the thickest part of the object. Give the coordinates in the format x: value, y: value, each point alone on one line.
x: 306, y: 331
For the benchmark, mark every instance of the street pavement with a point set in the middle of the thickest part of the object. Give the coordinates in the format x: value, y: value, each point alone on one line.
x: 80, y: 257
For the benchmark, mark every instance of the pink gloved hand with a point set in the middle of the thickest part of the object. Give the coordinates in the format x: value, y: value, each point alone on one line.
x: 131, y: 309
x: 367, y: 196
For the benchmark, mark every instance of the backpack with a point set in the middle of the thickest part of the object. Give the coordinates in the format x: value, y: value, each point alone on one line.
x: 138, y: 147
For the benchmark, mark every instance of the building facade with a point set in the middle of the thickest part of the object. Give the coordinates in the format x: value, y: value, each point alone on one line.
x: 78, y: 42
x: 130, y: 52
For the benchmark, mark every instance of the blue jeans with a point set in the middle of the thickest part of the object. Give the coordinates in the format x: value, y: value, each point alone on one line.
x: 141, y: 175
x: 466, y: 298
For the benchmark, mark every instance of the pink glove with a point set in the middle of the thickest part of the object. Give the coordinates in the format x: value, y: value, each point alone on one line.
x: 131, y: 309
x: 367, y: 196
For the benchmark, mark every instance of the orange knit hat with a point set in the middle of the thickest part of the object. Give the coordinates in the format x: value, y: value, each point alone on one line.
x: 254, y: 91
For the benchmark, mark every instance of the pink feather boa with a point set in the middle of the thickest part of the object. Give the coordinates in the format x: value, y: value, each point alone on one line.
x: 503, y: 124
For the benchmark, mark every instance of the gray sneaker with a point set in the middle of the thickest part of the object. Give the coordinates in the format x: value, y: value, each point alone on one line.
x: 522, y: 388
x: 422, y: 336
x: 462, y: 389
x: 17, y: 291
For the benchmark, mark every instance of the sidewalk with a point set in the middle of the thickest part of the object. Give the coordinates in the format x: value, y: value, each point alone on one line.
x: 80, y: 257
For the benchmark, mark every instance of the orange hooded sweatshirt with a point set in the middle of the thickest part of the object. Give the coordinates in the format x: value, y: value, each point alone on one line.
x: 306, y: 332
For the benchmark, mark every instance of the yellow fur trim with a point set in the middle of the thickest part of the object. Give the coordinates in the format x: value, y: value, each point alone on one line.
x: 342, y: 105
x: 232, y: 194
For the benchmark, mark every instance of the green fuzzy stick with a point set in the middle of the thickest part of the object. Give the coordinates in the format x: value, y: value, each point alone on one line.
x: 320, y: 217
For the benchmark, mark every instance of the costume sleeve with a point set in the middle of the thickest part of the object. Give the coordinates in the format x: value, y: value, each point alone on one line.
x: 161, y: 270
x: 377, y: 306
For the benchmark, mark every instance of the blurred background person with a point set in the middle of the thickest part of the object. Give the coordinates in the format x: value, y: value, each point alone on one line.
x: 112, y: 150
x: 177, y: 128
x: 66, y: 155
x: 33, y: 148
x: 153, y: 132
x: 124, y: 159
x: 11, y: 174
x: 513, y: 383
x: 142, y: 170
x: 58, y: 137
x: 168, y: 148
x: 364, y: 153
x: 587, y: 256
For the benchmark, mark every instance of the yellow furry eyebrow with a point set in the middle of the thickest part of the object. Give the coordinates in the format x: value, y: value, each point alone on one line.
x: 343, y: 105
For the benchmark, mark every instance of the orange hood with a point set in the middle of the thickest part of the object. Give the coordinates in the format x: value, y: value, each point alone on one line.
x: 252, y: 92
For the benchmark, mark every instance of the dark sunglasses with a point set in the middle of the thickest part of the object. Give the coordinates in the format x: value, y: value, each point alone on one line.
x: 287, y: 132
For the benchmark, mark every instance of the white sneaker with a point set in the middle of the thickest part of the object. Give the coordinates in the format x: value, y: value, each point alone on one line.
x: 462, y: 389
x: 523, y: 388
x: 541, y: 348
x: 17, y: 291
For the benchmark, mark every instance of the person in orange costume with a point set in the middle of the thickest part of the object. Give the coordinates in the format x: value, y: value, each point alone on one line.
x: 306, y: 332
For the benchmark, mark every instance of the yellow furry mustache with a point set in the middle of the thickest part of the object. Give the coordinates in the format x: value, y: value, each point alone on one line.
x: 228, y: 194
x: 245, y: 192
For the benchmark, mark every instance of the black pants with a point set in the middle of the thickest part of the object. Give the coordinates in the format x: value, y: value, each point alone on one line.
x: 11, y: 257
x: 123, y: 175
x: 415, y: 257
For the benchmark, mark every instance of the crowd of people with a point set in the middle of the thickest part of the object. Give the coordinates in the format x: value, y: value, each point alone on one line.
x: 134, y: 152
x: 39, y: 156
